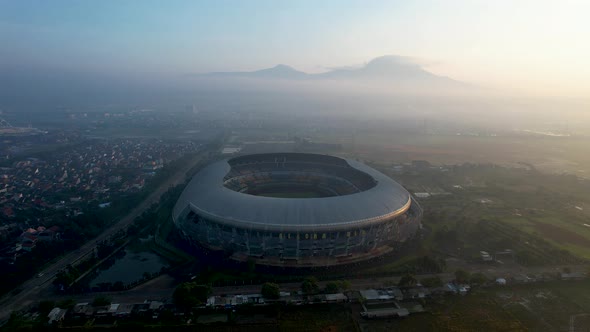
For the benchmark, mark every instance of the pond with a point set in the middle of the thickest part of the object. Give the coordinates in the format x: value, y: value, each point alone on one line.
x: 129, y: 267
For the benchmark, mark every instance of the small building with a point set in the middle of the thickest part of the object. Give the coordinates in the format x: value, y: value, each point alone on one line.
x: 485, y: 256
x: 501, y: 281
x: 56, y: 315
x: 383, y: 310
x: 155, y: 305
x: 220, y: 302
x: 29, y: 237
x: 113, y: 308
x: 417, y: 292
x: 376, y: 295
x: 255, y: 298
x: 573, y: 276
x: 124, y: 310
x: 82, y: 310
x: 102, y: 311
x: 396, y: 293
x: 336, y: 298
x: 49, y: 234
x: 141, y: 308
x: 458, y: 288
x: 28, y: 246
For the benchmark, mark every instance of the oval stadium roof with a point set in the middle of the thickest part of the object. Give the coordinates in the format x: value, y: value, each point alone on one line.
x: 205, y: 194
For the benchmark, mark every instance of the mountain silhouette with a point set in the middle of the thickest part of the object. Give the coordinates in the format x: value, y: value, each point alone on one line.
x: 390, y: 68
x: 277, y: 72
x: 383, y: 68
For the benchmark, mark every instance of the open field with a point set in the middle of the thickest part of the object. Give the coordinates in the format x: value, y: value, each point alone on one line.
x: 551, y: 154
x: 519, y: 205
x: 327, y: 318
x: 533, y: 307
x: 549, y: 306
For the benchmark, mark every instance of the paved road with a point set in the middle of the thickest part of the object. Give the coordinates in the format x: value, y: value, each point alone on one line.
x: 40, y: 287
x: 162, y: 287
x: 365, y: 283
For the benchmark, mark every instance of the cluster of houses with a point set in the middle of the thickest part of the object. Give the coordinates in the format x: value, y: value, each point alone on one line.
x: 29, y: 238
x: 375, y: 303
x: 384, y: 298
x: 84, y: 173
x: 26, y: 241
x: 83, y: 311
x: 232, y: 301
x: 391, y: 301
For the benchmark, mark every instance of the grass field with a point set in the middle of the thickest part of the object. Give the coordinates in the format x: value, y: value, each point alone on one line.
x: 453, y: 313
x: 539, y: 205
x: 551, y: 154
x: 532, y: 307
x: 326, y: 318
x: 548, y: 306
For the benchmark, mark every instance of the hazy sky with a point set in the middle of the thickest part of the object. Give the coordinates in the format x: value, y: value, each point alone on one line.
x: 539, y: 47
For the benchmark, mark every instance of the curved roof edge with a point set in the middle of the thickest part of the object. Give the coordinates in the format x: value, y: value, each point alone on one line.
x: 302, y: 228
x: 206, y: 194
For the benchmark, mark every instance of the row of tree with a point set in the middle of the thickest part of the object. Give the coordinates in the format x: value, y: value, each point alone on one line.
x: 309, y: 286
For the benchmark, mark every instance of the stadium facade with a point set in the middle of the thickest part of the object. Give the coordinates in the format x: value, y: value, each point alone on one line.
x: 296, y: 209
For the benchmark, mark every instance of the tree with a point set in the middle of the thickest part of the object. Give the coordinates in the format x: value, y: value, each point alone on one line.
x: 332, y: 287
x: 408, y: 280
x: 432, y: 282
x: 270, y: 290
x: 190, y: 294
x: 462, y: 276
x: 429, y: 264
x: 309, y: 286
x: 344, y: 285
x: 478, y: 278
x: 101, y: 301
x: 66, y: 304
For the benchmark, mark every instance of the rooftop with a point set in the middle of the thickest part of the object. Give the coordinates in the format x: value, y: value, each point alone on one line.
x: 206, y: 195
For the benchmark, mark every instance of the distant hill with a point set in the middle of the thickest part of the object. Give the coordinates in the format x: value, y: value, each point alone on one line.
x: 386, y: 68
x: 389, y: 67
x: 276, y: 72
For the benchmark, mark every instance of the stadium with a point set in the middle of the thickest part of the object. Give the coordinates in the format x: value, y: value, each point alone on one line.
x: 295, y: 209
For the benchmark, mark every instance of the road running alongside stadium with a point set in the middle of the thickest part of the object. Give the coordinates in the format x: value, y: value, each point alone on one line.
x: 40, y: 288
x: 162, y: 288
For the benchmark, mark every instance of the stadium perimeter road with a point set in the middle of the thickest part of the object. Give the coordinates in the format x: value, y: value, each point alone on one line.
x: 162, y: 288
x: 38, y: 288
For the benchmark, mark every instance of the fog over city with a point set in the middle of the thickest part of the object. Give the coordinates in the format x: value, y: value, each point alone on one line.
x: 531, y: 66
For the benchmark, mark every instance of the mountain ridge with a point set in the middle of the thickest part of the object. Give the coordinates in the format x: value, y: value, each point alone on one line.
x: 383, y: 68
